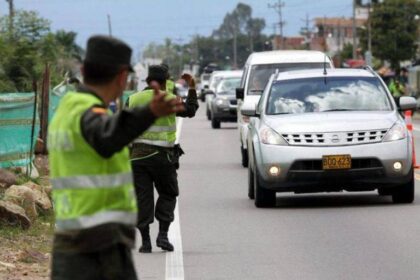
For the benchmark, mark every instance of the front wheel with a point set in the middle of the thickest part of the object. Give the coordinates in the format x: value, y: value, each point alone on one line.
x: 208, y: 114
x: 244, y: 157
x: 251, y: 191
x: 404, y: 193
x: 263, y: 198
x: 215, y: 123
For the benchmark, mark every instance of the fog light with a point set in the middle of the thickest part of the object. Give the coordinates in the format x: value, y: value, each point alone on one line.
x: 397, y: 166
x: 274, y: 171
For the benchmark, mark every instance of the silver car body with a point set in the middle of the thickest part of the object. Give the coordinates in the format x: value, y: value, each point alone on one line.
x: 310, y: 136
x: 230, y: 105
x: 288, y: 58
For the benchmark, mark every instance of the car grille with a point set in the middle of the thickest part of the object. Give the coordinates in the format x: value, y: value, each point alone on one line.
x: 234, y: 102
x: 316, y: 165
x: 335, y: 138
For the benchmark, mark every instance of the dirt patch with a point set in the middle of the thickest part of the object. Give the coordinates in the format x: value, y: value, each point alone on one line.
x: 26, y: 254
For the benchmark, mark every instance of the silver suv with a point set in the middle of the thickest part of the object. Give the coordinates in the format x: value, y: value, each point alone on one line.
x: 327, y: 131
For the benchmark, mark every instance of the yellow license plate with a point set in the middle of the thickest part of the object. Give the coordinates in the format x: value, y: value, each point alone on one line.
x: 336, y: 162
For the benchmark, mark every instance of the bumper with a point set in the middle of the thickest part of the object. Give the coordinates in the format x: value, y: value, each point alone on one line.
x: 227, y: 114
x: 372, y: 168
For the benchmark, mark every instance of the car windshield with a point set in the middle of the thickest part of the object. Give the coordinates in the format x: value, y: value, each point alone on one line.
x: 228, y: 85
x: 260, y: 74
x: 214, y: 82
x: 327, y: 95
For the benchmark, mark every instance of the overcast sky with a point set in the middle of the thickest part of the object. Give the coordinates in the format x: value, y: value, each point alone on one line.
x: 139, y: 21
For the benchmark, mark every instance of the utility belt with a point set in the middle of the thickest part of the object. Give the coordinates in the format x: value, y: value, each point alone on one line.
x: 140, y: 151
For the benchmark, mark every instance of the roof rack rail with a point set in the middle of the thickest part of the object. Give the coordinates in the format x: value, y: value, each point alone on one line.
x: 368, y: 68
x: 277, y: 73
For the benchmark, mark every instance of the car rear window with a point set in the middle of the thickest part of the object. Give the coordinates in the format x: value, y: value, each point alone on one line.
x: 327, y: 94
x: 260, y: 74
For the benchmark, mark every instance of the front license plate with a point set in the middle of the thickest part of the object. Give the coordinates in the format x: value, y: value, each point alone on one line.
x: 336, y: 162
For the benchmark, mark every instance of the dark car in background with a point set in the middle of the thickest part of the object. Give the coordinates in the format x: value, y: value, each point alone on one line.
x: 223, y: 104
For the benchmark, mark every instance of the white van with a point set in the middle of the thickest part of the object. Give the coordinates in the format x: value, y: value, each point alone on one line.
x: 258, y: 70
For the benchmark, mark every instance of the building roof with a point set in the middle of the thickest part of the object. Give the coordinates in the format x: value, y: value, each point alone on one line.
x: 335, y: 21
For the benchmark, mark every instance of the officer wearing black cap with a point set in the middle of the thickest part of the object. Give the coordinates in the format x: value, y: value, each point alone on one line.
x: 93, y: 192
x: 154, y: 156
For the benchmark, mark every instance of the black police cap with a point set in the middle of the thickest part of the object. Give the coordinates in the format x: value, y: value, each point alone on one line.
x: 157, y: 72
x: 107, y: 50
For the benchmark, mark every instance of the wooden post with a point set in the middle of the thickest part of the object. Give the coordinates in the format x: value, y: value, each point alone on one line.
x: 45, y: 102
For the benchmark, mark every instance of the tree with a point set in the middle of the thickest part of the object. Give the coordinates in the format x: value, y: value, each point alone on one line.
x: 394, y: 30
x: 28, y: 47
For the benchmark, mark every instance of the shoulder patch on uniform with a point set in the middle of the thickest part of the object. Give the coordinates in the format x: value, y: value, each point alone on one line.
x: 98, y: 110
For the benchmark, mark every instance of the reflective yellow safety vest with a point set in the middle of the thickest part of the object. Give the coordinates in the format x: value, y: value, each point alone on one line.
x: 163, y: 132
x: 88, y: 190
x: 170, y: 86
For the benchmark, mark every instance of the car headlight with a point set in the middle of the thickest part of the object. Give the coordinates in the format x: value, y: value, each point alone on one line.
x: 270, y: 137
x: 397, y: 132
x: 221, y: 102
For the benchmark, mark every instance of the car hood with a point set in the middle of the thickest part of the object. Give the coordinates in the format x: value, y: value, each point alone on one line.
x: 226, y: 95
x: 331, y: 122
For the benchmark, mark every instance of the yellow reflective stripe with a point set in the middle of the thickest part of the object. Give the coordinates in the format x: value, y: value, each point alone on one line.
x: 84, y: 222
x: 162, y: 128
x: 93, y: 181
x: 160, y: 143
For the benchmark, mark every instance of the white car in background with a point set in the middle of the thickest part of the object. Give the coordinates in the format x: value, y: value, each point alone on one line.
x: 257, y: 71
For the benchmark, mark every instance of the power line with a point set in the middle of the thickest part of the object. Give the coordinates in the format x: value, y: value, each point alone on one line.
x: 278, y: 8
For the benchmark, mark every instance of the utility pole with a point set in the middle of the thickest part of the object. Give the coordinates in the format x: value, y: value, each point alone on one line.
x: 354, y: 31
x: 11, y: 16
x: 307, y: 32
x: 109, y: 25
x: 278, y: 8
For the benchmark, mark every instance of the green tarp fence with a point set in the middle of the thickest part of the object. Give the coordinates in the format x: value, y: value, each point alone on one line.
x: 16, y: 115
x: 16, y: 120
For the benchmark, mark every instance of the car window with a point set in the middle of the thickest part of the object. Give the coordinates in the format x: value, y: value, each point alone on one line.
x: 327, y: 94
x: 228, y: 85
x: 260, y: 74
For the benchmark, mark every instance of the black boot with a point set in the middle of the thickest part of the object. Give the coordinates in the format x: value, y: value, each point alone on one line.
x: 162, y: 240
x: 146, y: 243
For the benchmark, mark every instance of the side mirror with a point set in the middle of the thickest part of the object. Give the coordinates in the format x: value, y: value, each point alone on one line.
x: 249, y: 109
x: 408, y: 103
x: 240, y: 93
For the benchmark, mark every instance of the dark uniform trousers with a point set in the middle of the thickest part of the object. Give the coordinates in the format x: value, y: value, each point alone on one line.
x: 112, y: 263
x: 157, y: 171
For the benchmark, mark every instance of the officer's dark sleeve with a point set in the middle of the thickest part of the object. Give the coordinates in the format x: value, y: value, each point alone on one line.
x: 110, y: 134
x: 191, y: 105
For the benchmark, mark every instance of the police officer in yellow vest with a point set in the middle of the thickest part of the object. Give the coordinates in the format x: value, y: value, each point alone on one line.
x: 94, y: 198
x: 154, y: 157
x: 170, y: 85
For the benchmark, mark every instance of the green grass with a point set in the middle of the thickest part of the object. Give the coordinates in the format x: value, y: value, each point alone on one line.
x: 38, y: 237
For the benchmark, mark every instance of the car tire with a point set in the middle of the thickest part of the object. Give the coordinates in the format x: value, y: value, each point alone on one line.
x: 251, y: 189
x: 215, y: 123
x: 208, y: 114
x: 263, y: 198
x: 404, y: 193
x: 244, y: 157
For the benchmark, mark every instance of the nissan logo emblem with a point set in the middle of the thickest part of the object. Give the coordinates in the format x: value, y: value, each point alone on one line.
x: 335, y: 138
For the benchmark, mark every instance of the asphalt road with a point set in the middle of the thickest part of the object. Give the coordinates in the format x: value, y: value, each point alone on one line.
x: 317, y: 236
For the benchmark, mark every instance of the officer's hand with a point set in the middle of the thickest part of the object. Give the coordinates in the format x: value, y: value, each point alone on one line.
x: 189, y: 79
x: 160, y: 106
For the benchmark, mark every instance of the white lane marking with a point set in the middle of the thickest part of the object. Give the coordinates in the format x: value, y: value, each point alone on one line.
x: 175, y: 260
